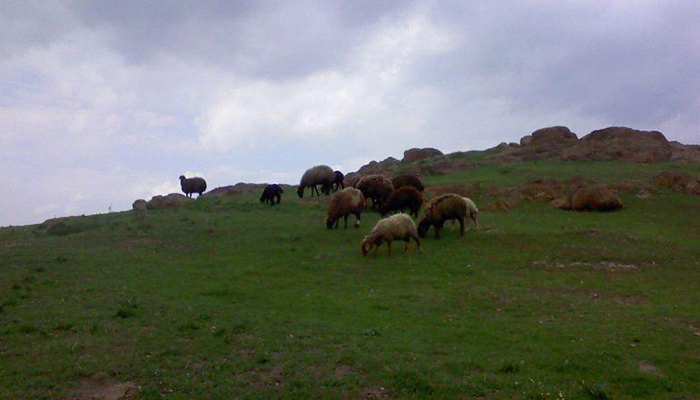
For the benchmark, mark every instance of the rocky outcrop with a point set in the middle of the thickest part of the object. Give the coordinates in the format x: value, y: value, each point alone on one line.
x: 554, y: 135
x: 620, y: 143
x: 416, y: 154
x: 140, y: 205
x: 595, y: 198
x: 678, y: 181
x: 169, y: 201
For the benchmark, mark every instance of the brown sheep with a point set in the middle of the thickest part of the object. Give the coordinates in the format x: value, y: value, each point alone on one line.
x: 319, y: 175
x: 375, y: 187
x: 408, y: 180
x: 396, y: 227
x: 446, y: 207
x: 192, y: 185
x: 347, y: 201
x: 402, y: 198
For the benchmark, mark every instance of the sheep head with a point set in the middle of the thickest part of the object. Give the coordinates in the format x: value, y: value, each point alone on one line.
x: 423, y: 227
x: 330, y: 222
x: 300, y: 191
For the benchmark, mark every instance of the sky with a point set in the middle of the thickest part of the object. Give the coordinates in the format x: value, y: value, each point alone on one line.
x: 103, y: 103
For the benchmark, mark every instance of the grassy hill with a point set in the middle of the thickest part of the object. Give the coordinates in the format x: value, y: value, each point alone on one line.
x: 230, y: 298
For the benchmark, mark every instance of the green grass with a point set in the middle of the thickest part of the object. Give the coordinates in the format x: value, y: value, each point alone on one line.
x: 231, y: 298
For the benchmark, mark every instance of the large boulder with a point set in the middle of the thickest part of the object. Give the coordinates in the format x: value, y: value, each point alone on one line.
x: 385, y: 167
x: 678, y: 181
x: 169, y: 201
x: 554, y: 135
x: 416, y: 154
x: 595, y: 198
x: 620, y: 143
x: 525, y: 140
x: 140, y: 205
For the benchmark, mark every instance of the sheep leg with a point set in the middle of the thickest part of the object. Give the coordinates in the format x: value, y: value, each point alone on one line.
x: 337, y: 222
x: 405, y: 248
x: 461, y: 226
x: 346, y: 222
x: 357, y: 220
x: 437, y: 232
x: 388, y: 244
x: 418, y: 244
x: 473, y: 217
x: 376, y: 250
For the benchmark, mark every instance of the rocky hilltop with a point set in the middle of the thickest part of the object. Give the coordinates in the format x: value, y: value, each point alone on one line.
x: 557, y: 142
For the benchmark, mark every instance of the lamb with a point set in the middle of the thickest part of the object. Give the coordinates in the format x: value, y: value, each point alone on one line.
x: 347, y: 201
x: 338, y: 181
x: 192, y: 185
x: 396, y: 227
x: 375, y: 187
x: 319, y: 175
x: 446, y: 207
x: 270, y: 193
x: 407, y: 180
x: 402, y: 198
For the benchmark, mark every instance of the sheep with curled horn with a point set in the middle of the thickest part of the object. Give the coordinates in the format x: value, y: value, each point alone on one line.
x: 319, y: 175
x: 192, y: 185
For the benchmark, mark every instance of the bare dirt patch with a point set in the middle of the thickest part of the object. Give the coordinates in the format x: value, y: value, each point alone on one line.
x: 600, y: 265
x: 102, y: 387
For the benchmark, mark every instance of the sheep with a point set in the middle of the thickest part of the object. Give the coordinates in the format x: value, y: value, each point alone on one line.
x: 404, y: 197
x: 446, y: 207
x: 375, y: 187
x: 407, y: 180
x: 347, y: 201
x: 472, y: 212
x: 192, y: 185
x: 270, y: 193
x: 319, y: 175
x: 396, y: 227
x: 338, y: 181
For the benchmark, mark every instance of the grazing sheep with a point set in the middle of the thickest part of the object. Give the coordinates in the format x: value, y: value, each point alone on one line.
x: 338, y: 181
x: 270, y: 193
x: 375, y: 187
x: 192, y: 185
x: 319, y: 175
x: 446, y: 207
x: 472, y: 212
x: 347, y: 201
x: 396, y: 227
x: 407, y: 180
x: 402, y: 198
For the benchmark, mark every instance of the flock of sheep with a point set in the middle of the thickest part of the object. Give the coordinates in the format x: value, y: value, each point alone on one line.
x: 396, y: 195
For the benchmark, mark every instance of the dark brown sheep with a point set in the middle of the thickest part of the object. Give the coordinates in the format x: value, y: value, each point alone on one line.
x: 338, y: 181
x: 375, y: 187
x: 319, y: 175
x: 192, y: 185
x: 347, y: 201
x: 443, y: 208
x: 407, y: 180
x: 402, y: 198
x: 272, y: 193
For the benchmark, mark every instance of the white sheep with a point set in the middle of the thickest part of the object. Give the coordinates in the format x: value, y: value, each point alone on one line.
x: 395, y: 227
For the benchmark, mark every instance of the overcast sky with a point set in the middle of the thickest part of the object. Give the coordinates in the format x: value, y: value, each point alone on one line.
x: 102, y: 103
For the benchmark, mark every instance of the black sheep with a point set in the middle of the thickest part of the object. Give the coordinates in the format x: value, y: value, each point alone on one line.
x: 192, y: 185
x: 270, y: 193
x: 338, y: 181
x: 402, y: 198
x: 407, y: 180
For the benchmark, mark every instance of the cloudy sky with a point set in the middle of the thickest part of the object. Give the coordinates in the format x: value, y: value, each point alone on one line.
x: 102, y: 103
